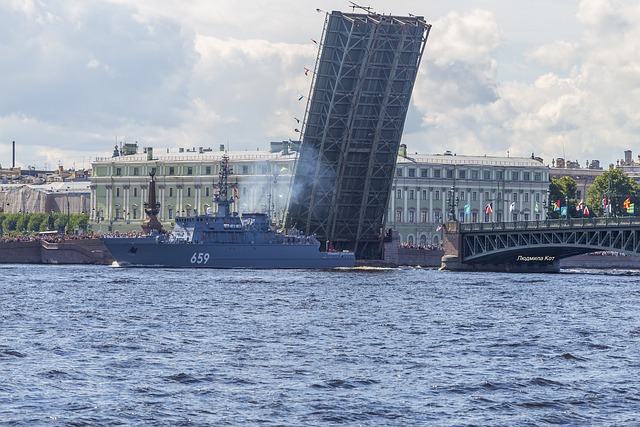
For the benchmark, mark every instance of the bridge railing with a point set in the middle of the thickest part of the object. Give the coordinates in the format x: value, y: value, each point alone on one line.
x: 555, y: 224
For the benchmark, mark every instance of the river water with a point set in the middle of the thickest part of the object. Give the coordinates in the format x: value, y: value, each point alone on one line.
x: 96, y: 345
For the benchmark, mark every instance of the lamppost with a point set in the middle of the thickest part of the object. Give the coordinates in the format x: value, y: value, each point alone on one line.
x: 452, y: 203
x: 68, y: 214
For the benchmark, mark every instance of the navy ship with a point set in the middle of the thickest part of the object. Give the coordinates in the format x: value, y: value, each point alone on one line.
x: 223, y: 239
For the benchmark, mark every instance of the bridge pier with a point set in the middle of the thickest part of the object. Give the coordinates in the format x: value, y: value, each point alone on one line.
x: 453, y: 261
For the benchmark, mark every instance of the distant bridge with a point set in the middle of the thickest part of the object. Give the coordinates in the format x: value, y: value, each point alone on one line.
x: 535, y: 245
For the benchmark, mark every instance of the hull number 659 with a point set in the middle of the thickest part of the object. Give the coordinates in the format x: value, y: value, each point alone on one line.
x: 199, y: 258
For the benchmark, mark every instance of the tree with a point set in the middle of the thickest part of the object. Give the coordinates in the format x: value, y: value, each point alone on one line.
x: 562, y: 190
x: 616, y: 187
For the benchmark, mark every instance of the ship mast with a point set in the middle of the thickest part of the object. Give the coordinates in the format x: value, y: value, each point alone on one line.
x: 221, y: 198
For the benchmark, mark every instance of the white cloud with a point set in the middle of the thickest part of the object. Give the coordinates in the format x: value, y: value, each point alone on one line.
x: 545, y: 77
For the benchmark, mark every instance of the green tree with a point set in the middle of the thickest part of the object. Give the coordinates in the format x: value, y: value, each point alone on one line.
x: 562, y: 190
x: 616, y: 187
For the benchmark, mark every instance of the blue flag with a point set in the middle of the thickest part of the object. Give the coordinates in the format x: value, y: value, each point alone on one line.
x: 467, y: 209
x: 563, y: 211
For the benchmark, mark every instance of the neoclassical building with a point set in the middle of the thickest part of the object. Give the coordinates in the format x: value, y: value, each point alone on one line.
x: 516, y: 188
x: 429, y: 189
x: 185, y: 184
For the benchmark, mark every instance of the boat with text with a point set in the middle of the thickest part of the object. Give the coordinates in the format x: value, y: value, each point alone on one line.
x: 223, y: 239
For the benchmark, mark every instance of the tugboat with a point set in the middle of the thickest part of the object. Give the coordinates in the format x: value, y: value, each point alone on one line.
x: 223, y: 239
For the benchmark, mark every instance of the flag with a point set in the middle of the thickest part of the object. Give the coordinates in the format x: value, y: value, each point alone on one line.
x: 631, y: 209
x: 235, y: 193
x: 306, y: 71
x: 512, y: 207
x: 536, y: 209
x: 556, y: 206
x: 563, y: 211
x: 313, y: 39
x: 300, y: 97
x: 439, y: 227
x: 579, y: 207
x: 467, y: 209
x: 586, y: 210
x: 489, y: 209
x: 604, y: 202
x: 627, y: 203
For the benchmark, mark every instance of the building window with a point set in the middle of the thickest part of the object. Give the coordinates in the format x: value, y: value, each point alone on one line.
x: 117, y: 212
x: 537, y: 197
x: 526, y: 176
x: 487, y: 217
x: 436, y: 195
x: 190, y: 170
x: 537, y: 176
x: 245, y: 170
x: 206, y: 191
x: 135, y: 212
x: 135, y: 191
x: 188, y: 191
x: 412, y: 216
x: 436, y: 216
x: 411, y: 195
x: 424, y: 194
x: 412, y: 173
x: 578, y: 194
x: 486, y: 195
x: 118, y: 171
x: 526, y: 197
x: 486, y: 174
x: 136, y: 171
x: 398, y: 194
x: 170, y: 191
x: 117, y: 192
x: 474, y: 217
x: 207, y: 170
x: 172, y: 170
x: 423, y: 216
x: 474, y: 196
x: 515, y: 197
x: 515, y: 175
x: 474, y: 175
x: 399, y: 172
x: 450, y: 173
x: 462, y: 195
x: 499, y: 174
x: 399, y: 215
x: 170, y: 212
x: 424, y: 173
x: 437, y: 173
x: 462, y: 174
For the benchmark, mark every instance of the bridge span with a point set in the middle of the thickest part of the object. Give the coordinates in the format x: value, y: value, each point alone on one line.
x: 534, y: 246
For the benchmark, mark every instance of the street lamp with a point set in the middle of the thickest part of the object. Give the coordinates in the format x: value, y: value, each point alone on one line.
x: 453, y: 203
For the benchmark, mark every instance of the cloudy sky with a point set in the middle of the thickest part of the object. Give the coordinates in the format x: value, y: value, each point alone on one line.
x: 558, y: 78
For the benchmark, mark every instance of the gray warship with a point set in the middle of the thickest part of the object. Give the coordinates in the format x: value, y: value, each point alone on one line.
x: 223, y: 239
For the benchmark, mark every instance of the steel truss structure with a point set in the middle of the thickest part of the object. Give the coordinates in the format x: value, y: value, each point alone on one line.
x: 354, y: 120
x: 548, y: 240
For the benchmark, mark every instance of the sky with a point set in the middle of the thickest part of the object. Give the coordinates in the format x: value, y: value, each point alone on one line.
x: 554, y: 78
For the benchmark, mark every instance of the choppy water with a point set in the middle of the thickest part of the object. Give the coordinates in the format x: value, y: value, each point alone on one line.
x: 92, y: 345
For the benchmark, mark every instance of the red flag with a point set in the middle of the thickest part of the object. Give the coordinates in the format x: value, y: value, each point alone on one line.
x: 489, y: 210
x: 586, y: 210
x: 627, y: 203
